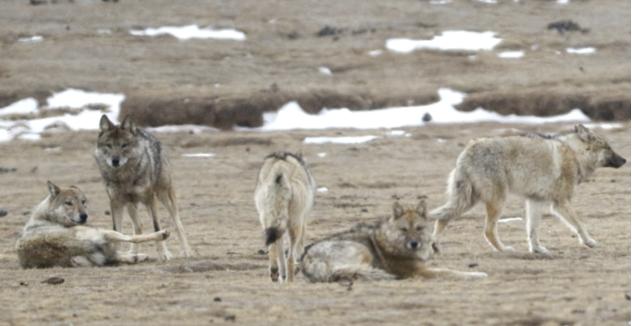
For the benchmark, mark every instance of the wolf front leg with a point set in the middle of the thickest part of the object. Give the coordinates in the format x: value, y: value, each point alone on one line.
x: 161, y: 246
x: 565, y: 212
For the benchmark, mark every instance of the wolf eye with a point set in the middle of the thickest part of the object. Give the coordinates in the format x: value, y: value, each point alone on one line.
x: 108, y: 146
x: 68, y: 203
x: 83, y: 202
x: 419, y: 228
x: 404, y: 229
x: 124, y: 145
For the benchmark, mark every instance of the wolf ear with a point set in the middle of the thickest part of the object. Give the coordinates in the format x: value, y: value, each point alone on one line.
x: 398, y: 210
x: 421, y: 207
x: 105, y: 123
x: 128, y: 124
x: 53, y: 190
x: 583, y: 133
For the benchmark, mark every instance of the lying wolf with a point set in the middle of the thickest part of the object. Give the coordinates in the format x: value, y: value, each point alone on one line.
x: 54, y: 236
x: 542, y: 169
x: 284, y: 195
x: 394, y: 248
x: 135, y: 170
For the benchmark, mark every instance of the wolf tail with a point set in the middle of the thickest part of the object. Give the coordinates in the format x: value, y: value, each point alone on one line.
x: 280, y: 194
x: 461, y: 197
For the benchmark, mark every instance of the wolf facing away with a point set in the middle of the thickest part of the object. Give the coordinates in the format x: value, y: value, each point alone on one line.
x: 55, y: 235
x: 542, y: 169
x: 284, y: 195
x: 135, y: 170
x: 394, y: 248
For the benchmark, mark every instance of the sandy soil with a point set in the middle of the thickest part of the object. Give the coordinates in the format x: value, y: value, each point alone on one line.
x: 223, y: 83
x: 227, y: 281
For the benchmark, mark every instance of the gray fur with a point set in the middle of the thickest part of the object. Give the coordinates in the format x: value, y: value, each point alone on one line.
x: 542, y: 169
x: 135, y: 170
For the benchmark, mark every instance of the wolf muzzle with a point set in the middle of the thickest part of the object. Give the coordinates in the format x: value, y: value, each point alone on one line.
x: 615, y: 161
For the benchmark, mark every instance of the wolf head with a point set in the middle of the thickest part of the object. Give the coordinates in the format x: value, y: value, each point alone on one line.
x: 66, y: 206
x: 117, y: 144
x: 597, y: 149
x: 408, y: 232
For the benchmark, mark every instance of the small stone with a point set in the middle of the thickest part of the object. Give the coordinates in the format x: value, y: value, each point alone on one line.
x: 261, y: 252
x: 106, y: 212
x: 3, y: 212
x: 472, y: 265
x: 364, y: 210
x: 230, y: 318
x: 54, y: 280
x: 627, y: 296
x: 217, y: 299
x: 24, y: 283
x: 427, y: 117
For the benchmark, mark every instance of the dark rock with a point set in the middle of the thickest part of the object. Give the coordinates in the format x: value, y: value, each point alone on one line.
x: 472, y: 265
x: 217, y: 299
x: 4, y: 170
x: 3, y: 212
x: 564, y: 26
x: 427, y: 117
x: 54, y: 280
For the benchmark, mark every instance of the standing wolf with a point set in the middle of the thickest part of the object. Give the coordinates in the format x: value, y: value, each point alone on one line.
x: 135, y: 170
x: 542, y: 169
x: 54, y: 236
x: 396, y: 247
x: 284, y: 195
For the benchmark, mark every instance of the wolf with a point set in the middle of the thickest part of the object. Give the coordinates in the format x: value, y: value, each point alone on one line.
x: 55, y: 235
x: 396, y: 247
x: 135, y: 170
x: 542, y: 169
x: 284, y: 195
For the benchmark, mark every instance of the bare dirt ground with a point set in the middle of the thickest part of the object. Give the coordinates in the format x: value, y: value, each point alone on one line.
x: 87, y: 45
x: 227, y: 281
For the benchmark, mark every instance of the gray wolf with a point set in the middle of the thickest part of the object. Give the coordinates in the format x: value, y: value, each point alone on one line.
x: 284, y: 195
x: 55, y: 235
x: 542, y: 169
x: 135, y: 170
x: 393, y: 248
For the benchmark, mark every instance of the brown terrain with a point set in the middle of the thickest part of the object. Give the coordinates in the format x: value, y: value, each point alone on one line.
x: 87, y: 45
x: 228, y: 279
x: 227, y: 83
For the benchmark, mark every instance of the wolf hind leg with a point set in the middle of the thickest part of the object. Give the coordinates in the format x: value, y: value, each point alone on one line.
x: 133, y: 214
x: 359, y: 272
x: 281, y: 260
x: 168, y: 199
x: 161, y: 246
x: 494, y: 210
x: 80, y: 261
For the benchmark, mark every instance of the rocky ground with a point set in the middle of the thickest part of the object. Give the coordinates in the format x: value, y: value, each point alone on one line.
x: 227, y: 281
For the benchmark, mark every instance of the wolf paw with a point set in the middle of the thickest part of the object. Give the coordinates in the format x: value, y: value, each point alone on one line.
x: 540, y: 250
x: 165, y: 234
x: 140, y: 257
x: 165, y: 255
x: 508, y: 249
x: 590, y: 243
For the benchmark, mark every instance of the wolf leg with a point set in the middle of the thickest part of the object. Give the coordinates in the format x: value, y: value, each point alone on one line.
x: 566, y: 213
x: 113, y: 236
x: 273, y: 263
x: 534, y: 210
x: 133, y: 214
x: 359, y: 272
x: 161, y: 246
x: 168, y: 199
x: 494, y: 209
x: 281, y: 260
x: 127, y: 258
x: 116, y: 209
x: 80, y: 261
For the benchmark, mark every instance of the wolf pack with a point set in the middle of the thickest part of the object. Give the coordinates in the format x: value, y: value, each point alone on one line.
x: 544, y: 170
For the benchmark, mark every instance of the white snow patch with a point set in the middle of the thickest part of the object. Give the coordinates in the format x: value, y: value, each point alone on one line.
x: 339, y: 140
x: 291, y: 116
x: 563, y: 2
x: 511, y: 54
x: 25, y: 106
x: 199, y: 155
x: 322, y: 189
x: 322, y: 154
x: 193, y: 129
x: 604, y: 125
x: 439, y: 2
x: 586, y: 50
x: 375, y: 53
x: 70, y: 98
x: 191, y: 32
x: 104, y: 31
x: 491, y: 2
x: 31, y: 39
x: 447, y: 41
x: 325, y: 71
x: 510, y: 219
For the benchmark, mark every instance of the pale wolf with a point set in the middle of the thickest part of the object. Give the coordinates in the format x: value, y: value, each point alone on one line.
x: 54, y: 236
x: 394, y: 248
x: 135, y: 170
x: 284, y: 195
x: 542, y: 169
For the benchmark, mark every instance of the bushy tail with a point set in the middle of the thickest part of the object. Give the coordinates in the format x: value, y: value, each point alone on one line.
x: 279, y: 197
x: 461, y: 197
